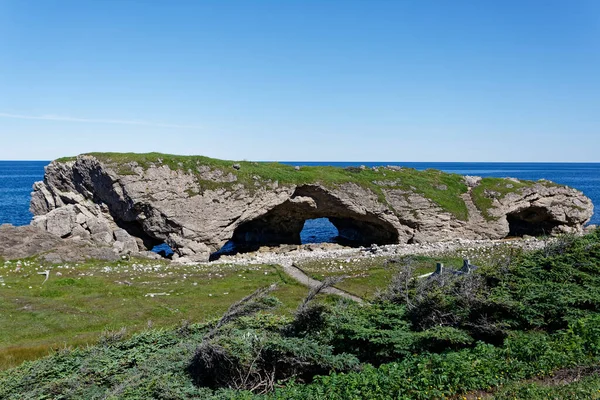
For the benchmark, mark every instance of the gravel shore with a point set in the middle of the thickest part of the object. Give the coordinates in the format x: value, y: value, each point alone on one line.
x: 288, y: 254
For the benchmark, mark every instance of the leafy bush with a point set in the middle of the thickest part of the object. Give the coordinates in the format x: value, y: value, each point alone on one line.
x: 427, y: 376
x: 255, y: 361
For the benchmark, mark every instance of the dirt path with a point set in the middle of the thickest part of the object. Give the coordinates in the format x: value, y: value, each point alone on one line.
x: 293, y: 271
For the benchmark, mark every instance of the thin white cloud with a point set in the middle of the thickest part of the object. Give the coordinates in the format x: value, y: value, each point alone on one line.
x: 95, y: 121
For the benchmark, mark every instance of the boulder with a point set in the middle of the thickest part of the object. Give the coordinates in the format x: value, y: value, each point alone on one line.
x: 124, y: 242
x: 29, y: 241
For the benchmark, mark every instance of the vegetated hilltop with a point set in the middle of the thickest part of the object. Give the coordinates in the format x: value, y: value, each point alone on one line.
x: 527, y: 326
x: 197, y: 204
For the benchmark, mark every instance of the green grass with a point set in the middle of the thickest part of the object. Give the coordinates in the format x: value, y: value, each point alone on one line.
x: 75, y: 308
x: 365, y: 277
x: 442, y: 188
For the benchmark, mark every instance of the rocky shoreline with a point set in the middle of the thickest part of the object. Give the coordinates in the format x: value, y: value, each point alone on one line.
x: 291, y: 254
x: 28, y: 241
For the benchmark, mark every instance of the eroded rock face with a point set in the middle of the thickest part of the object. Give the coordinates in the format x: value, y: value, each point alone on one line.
x: 28, y: 241
x: 136, y: 208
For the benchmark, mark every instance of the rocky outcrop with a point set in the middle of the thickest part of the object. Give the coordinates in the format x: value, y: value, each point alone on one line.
x: 29, y: 241
x: 197, y: 207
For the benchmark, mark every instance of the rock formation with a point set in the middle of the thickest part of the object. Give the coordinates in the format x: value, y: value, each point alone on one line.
x: 29, y: 241
x: 196, y: 205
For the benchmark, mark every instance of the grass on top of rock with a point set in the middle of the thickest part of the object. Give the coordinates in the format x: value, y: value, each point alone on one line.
x: 442, y: 188
x: 497, y: 330
x: 489, y: 189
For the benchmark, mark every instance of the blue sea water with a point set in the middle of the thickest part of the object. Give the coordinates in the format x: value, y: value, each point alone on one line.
x: 17, y: 178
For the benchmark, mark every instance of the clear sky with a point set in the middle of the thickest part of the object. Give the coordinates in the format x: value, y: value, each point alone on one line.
x: 418, y: 80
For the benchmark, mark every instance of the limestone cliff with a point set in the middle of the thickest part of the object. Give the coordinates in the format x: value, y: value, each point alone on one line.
x: 197, y: 204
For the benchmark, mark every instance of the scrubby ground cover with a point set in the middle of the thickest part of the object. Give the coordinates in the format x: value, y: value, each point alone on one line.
x: 368, y: 276
x: 566, y: 384
x: 499, y: 331
x: 79, y: 301
x: 365, y: 277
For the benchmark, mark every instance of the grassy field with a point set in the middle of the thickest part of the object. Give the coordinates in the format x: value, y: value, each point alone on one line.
x: 576, y: 388
x: 366, y: 276
x: 79, y: 302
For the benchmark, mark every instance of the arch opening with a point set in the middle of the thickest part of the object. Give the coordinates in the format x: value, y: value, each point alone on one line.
x: 311, y: 207
x: 533, y: 221
x: 145, y: 241
x: 319, y: 230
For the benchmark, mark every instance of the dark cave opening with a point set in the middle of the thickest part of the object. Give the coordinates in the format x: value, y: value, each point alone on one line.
x: 275, y: 232
x: 315, y: 230
x: 533, y: 221
x: 145, y: 241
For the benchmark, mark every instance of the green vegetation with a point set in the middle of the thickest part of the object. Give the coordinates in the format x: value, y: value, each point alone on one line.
x: 79, y: 301
x: 588, y: 388
x: 366, y: 277
x: 442, y: 188
x: 504, y: 330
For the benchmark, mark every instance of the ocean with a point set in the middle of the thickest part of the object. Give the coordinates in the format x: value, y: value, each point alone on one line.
x: 17, y: 178
x: 16, y: 181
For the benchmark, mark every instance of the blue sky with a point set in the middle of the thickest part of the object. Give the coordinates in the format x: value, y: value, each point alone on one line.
x: 420, y: 80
